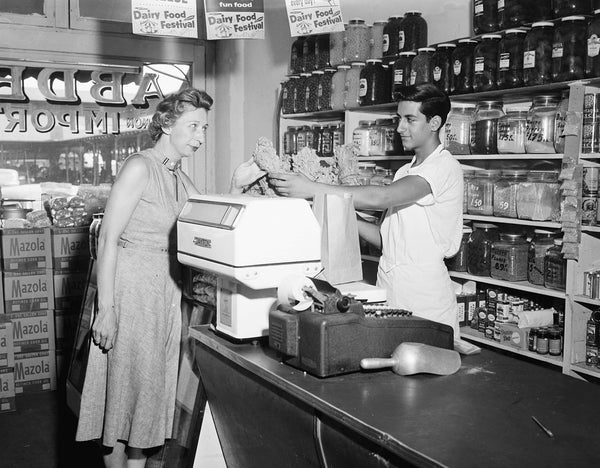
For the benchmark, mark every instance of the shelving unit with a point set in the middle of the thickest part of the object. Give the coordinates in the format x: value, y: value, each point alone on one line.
x: 501, y: 220
x: 518, y: 285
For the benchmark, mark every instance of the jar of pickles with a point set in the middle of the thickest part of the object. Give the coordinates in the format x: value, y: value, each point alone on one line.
x: 373, y: 84
x: 512, y: 132
x: 509, y: 257
x: 420, y: 68
x: 459, y: 261
x: 337, y: 40
x: 338, y: 88
x: 560, y: 121
x: 485, y: 16
x: 391, y: 36
x: 570, y: 7
x: 401, y: 72
x: 441, y: 67
x: 484, y: 129
x: 537, y: 55
x: 458, y: 128
x: 555, y: 267
x: 510, y: 59
x: 287, y: 94
x: 485, y: 71
x: 569, y: 49
x: 463, y: 66
x: 352, y: 97
x: 506, y: 188
x: 540, y: 125
x: 376, y: 50
x: 312, y: 91
x: 592, y: 64
x: 324, y: 89
x: 481, y: 192
x: 357, y: 41
x: 479, y: 248
x: 541, y: 242
x: 309, y: 56
x: 413, y: 31
x: 513, y: 13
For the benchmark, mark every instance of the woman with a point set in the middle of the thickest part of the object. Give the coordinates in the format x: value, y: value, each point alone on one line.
x: 128, y: 399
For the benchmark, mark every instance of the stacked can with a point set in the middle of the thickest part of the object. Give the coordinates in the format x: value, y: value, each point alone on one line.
x: 589, y: 193
x: 591, y: 283
x: 590, y: 140
x: 592, y: 339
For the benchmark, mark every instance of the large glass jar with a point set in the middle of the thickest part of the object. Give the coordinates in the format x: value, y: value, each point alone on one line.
x: 312, y: 91
x: 484, y: 129
x: 513, y: 13
x: 441, y: 67
x: 537, y: 55
x: 287, y: 94
x: 322, y: 51
x: 479, y: 248
x: 374, y: 88
x: 309, y: 56
x: 540, y: 125
x: 592, y: 63
x: 467, y: 178
x: 485, y: 16
x: 480, y: 192
x: 560, y: 121
x: 569, y: 49
x: 506, y: 188
x: 388, y: 129
x: 541, y: 10
x: 485, y: 70
x: 376, y: 139
x: 296, y: 55
x: 541, y: 242
x: 538, y: 198
x: 510, y: 59
x: 360, y: 137
x: 462, y: 66
x: 555, y: 267
x: 457, y: 130
x: 352, y: 98
x: 357, y: 41
x: 512, y: 132
x: 337, y: 40
x: 413, y: 31
x: 338, y: 88
x: 458, y: 262
x: 420, y: 68
x: 401, y: 72
x: 509, y: 257
x: 324, y: 91
x: 376, y: 29
x: 571, y: 7
x: 299, y: 91
x: 391, y: 36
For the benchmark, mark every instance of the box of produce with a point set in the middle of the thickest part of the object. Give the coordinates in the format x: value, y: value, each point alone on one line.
x: 25, y: 249
x: 35, y: 372
x: 33, y: 331
x: 7, y: 350
x: 70, y: 248
x: 7, y: 389
x: 27, y: 291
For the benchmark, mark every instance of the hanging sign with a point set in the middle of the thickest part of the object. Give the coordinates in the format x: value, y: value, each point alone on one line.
x: 243, y: 19
x: 164, y: 18
x: 308, y: 17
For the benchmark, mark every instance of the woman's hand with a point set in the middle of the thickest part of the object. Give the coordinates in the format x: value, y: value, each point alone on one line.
x: 245, y: 174
x: 293, y: 185
x: 104, y: 329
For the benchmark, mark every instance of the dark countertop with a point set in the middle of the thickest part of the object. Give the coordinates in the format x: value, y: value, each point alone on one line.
x: 480, y: 415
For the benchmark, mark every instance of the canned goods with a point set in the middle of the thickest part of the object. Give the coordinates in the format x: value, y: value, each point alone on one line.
x: 589, y: 137
x: 591, y: 105
x: 596, y: 285
x: 589, y: 210
x: 590, y: 181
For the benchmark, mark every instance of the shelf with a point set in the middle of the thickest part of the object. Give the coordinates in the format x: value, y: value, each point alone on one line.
x: 384, y: 158
x: 519, y: 285
x: 589, y: 156
x: 582, y: 368
x: 590, y: 228
x: 473, y: 335
x: 320, y: 115
x: 506, y: 157
x: 500, y: 220
x: 586, y: 300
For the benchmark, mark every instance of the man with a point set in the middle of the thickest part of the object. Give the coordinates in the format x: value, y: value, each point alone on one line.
x: 423, y: 222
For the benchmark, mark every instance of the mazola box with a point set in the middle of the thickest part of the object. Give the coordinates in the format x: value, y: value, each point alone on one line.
x: 26, y: 249
x: 7, y: 349
x: 7, y: 389
x: 33, y: 331
x: 27, y: 291
x: 65, y: 326
x: 35, y: 372
x: 70, y: 248
x: 69, y: 288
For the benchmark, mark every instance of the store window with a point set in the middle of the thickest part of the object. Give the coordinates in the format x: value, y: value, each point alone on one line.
x: 23, y: 7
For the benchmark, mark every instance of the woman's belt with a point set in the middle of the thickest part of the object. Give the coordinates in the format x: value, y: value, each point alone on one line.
x: 145, y: 247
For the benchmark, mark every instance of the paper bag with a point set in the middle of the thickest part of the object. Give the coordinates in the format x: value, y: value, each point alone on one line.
x: 340, y: 249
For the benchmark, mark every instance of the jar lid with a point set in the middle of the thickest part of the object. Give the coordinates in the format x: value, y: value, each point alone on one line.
x: 329, y: 69
x: 515, y: 31
x: 573, y: 18
x: 358, y: 64
x: 366, y: 165
x: 410, y: 52
x: 394, y: 17
x: 545, y: 98
x: 462, y: 105
x: 318, y: 72
x: 426, y: 49
x: 543, y: 175
x: 363, y: 122
x: 344, y: 67
x: 491, y: 36
x: 543, y: 232
x: 511, y: 237
x: 484, y: 226
x: 373, y: 60
x: 514, y: 173
x: 414, y: 12
x: 523, y: 106
x: 356, y: 21
x: 539, y: 24
x: 446, y: 44
x: 490, y: 103
x: 487, y: 173
x: 380, y: 22
x: 293, y: 76
x: 467, y: 41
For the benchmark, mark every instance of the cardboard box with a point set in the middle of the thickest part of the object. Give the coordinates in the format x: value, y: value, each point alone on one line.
x: 69, y: 288
x: 27, y: 291
x: 33, y: 331
x: 7, y: 350
x: 7, y: 389
x: 70, y: 248
x: 65, y: 326
x: 511, y: 335
x: 26, y: 249
x: 35, y: 372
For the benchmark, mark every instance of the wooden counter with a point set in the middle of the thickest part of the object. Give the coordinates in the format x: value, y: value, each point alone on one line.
x: 270, y: 414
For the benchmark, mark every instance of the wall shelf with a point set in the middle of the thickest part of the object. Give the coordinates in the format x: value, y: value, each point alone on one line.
x: 519, y: 285
x: 586, y: 300
x: 590, y: 228
x: 506, y: 157
x: 501, y: 220
x: 581, y: 367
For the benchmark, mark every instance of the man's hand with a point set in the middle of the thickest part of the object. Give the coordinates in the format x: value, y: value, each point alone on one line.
x: 293, y: 185
x: 245, y: 174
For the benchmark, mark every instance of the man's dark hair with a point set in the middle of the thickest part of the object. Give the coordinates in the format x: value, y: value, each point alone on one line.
x: 433, y: 100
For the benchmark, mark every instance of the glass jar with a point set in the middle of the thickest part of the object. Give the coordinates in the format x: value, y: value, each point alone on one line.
x: 296, y: 55
x: 401, y: 72
x: 458, y: 262
x: 324, y: 90
x: 337, y: 135
x: 360, y: 137
x: 540, y: 125
x: 365, y: 172
x: 388, y: 129
x: 479, y: 248
x: 538, y: 198
x: 463, y: 66
x: 467, y: 178
x: 318, y: 140
x: 352, y: 97
x: 373, y: 84
x: 357, y: 41
x: 485, y: 16
x: 560, y: 121
x: 570, y: 7
x: 554, y: 342
x: 327, y: 141
x: 309, y: 56
x: 509, y: 257
x: 337, y: 39
x: 376, y: 50
x: 376, y: 139
x: 481, y: 192
x: 484, y: 129
x: 458, y: 128
x: 505, y: 192
x: 312, y: 91
x: 300, y: 93
x: 541, y: 10
x: 541, y: 242
x: 569, y: 49
x: 322, y: 51
x: 338, y: 88
x: 510, y: 59
x: 391, y: 36
x: 441, y: 67
x: 413, y: 32
x: 537, y: 55
x: 512, y: 132
x: 541, y: 341
x: 555, y: 267
x: 485, y: 70
x: 420, y: 68
x: 304, y: 137
x: 592, y: 63
x: 290, y: 141
x: 287, y: 94
x: 513, y: 13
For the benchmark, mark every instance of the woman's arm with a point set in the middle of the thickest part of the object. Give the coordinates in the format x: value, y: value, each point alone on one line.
x: 369, y: 232
x: 124, y: 197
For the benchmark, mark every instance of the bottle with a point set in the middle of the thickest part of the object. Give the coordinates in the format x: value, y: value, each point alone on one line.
x: 322, y: 51
x: 357, y: 41
x: 484, y: 129
x: 510, y: 59
x: 540, y: 125
x: 337, y: 40
x: 376, y: 50
x: 401, y: 72
x: 373, y: 84
x: 360, y: 137
x: 420, y: 68
x: 391, y: 36
x: 352, y: 96
x: 463, y: 66
x: 296, y: 56
x: 592, y: 63
x: 486, y: 63
x: 441, y: 67
x: 413, y: 32
x: 555, y: 267
x: 309, y: 55
x: 485, y: 16
x: 569, y: 49
x: 479, y: 248
x: 338, y: 87
x: 537, y: 55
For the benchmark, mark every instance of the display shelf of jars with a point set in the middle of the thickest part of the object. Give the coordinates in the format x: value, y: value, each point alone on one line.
x: 473, y: 335
x: 584, y: 369
x: 523, y: 222
x: 518, y: 285
x: 507, y: 157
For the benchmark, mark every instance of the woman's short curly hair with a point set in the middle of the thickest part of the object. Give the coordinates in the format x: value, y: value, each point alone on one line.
x: 172, y: 106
